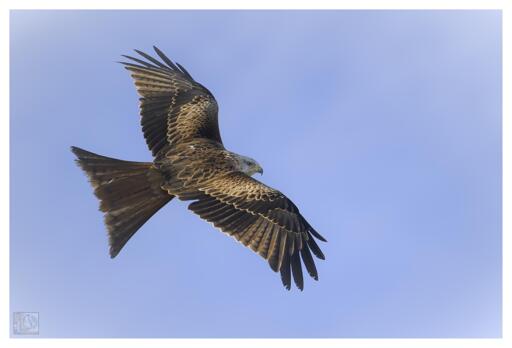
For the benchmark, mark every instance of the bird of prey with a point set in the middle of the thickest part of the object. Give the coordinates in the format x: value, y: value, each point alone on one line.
x: 180, y: 126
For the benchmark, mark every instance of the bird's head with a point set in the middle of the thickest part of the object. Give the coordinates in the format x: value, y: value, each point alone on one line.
x: 248, y: 165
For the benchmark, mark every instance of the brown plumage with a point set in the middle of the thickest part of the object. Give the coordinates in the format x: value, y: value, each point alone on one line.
x: 180, y: 125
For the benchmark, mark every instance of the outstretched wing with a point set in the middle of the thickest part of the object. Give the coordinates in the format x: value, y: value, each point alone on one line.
x: 174, y: 107
x: 262, y: 219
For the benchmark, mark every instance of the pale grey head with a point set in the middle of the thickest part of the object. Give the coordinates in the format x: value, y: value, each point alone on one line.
x: 248, y: 165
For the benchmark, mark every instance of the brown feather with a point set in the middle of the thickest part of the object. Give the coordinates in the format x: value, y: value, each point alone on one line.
x: 273, y: 258
x: 297, y: 270
x: 309, y: 262
x: 286, y: 272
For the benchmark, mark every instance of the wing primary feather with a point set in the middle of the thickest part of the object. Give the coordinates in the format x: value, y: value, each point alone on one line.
x: 297, y: 270
x: 273, y: 246
x: 309, y: 262
x: 140, y: 61
x: 151, y: 59
x: 316, y: 234
x: 315, y: 249
x: 273, y: 258
x: 282, y: 248
x: 165, y: 58
x: 258, y: 236
x: 285, y: 272
x: 184, y: 71
x: 153, y: 72
x: 263, y: 247
x: 129, y: 65
x: 298, y: 238
x: 291, y: 246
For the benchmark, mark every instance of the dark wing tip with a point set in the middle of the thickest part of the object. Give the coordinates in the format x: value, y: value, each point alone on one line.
x: 273, y: 266
x: 286, y: 271
x: 115, y: 247
x: 173, y: 65
x: 165, y: 59
x: 316, y: 234
x: 113, y: 253
x: 78, y: 152
x: 81, y: 153
x: 159, y: 52
x: 315, y: 248
x: 309, y: 262
x: 297, y: 270
x: 141, y: 62
x: 183, y: 70
x: 154, y: 64
x: 153, y: 60
x: 126, y: 64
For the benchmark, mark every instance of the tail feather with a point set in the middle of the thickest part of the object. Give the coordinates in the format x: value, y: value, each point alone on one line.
x: 129, y: 193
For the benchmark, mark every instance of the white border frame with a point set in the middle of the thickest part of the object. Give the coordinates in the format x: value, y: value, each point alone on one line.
x: 7, y: 5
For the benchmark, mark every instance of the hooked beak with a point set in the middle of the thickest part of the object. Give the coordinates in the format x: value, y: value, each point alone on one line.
x: 260, y: 170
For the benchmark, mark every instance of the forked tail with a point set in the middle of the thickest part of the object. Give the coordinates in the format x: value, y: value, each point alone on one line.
x: 129, y: 193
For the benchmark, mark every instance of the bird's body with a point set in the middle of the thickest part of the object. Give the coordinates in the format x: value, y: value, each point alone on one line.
x: 193, y: 164
x: 179, y: 122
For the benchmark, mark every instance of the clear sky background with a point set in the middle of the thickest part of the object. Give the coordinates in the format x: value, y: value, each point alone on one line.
x: 383, y: 127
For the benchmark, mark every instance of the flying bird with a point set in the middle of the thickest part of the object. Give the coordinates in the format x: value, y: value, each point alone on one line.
x: 179, y: 119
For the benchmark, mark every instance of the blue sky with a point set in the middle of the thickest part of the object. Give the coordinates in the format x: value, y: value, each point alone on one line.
x: 384, y: 127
